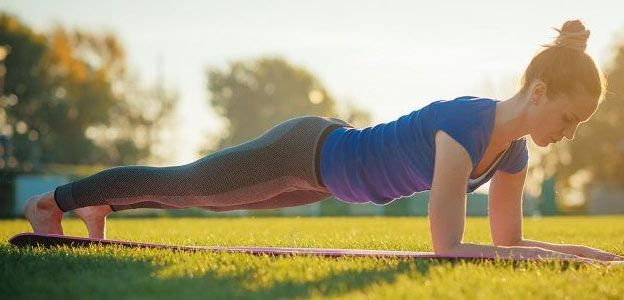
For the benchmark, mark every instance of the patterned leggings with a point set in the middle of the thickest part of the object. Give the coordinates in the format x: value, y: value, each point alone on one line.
x: 280, y: 168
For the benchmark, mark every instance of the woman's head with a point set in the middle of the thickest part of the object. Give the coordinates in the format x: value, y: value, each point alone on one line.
x: 563, y: 85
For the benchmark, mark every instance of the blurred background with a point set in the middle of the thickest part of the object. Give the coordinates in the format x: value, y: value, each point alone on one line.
x: 88, y: 85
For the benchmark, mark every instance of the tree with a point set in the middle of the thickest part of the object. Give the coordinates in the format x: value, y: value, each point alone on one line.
x: 68, y: 98
x: 255, y: 95
x: 19, y: 82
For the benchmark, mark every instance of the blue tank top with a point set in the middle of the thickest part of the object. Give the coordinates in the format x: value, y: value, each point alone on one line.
x: 387, y: 161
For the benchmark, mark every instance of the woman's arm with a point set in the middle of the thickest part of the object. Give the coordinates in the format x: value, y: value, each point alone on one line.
x: 447, y: 207
x: 505, y: 213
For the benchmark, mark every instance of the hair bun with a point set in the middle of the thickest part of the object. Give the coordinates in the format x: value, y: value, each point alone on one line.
x: 572, y: 35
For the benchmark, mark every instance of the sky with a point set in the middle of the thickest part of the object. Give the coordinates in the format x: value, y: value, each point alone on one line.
x: 388, y: 57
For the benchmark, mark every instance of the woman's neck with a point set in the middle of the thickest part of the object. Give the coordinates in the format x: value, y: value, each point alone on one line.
x: 510, y: 122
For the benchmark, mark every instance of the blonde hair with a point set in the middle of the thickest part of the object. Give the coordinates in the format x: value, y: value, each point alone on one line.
x: 565, y: 67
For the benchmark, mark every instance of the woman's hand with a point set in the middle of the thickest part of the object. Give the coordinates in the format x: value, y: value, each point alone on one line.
x: 578, y: 250
x: 594, y: 253
x: 516, y: 252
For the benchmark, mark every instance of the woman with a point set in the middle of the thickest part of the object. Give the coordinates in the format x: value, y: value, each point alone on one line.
x: 448, y: 147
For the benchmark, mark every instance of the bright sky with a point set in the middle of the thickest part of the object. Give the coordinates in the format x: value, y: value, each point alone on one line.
x: 390, y: 57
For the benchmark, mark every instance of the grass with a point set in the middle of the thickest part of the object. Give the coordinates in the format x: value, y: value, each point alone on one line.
x: 111, y: 272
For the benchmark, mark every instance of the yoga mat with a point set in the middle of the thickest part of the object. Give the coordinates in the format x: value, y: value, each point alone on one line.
x: 49, y: 240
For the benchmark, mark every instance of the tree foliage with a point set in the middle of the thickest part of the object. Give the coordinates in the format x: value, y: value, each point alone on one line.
x: 68, y: 98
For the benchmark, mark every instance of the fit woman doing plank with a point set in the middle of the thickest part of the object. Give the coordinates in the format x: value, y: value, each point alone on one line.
x: 449, y: 147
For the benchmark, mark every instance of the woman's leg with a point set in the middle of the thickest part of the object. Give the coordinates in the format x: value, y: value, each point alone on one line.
x: 278, y: 169
x: 282, y: 160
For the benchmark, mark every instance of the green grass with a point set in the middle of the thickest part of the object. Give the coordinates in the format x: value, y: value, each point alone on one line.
x: 111, y: 272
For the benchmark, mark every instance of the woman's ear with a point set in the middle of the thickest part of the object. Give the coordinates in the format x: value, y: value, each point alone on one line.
x: 538, y: 91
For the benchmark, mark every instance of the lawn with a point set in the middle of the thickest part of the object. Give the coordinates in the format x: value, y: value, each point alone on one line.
x: 110, y: 272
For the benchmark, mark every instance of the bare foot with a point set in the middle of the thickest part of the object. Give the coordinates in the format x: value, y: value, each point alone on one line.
x: 44, y: 214
x: 94, y: 218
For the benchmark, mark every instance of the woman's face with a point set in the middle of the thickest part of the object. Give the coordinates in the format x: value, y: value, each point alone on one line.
x: 551, y: 120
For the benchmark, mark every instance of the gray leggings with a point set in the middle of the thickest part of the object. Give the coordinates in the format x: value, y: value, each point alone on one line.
x: 280, y: 168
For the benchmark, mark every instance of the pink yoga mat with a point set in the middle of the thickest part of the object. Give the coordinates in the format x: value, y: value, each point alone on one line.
x: 49, y: 240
